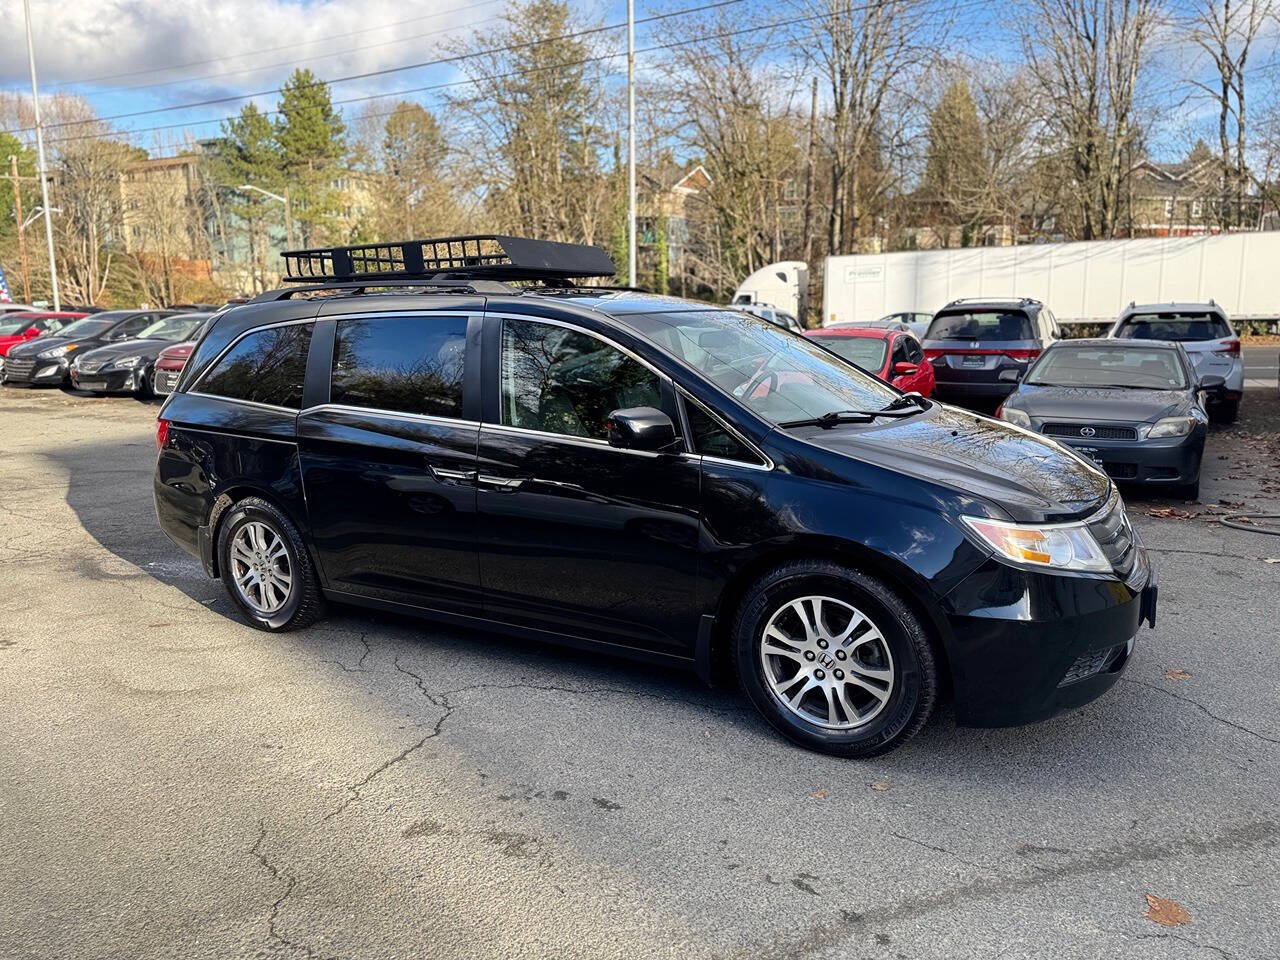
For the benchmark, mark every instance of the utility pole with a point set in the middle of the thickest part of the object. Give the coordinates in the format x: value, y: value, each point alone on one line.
x: 44, y: 178
x: 808, y: 202
x: 22, y: 239
x: 631, y: 143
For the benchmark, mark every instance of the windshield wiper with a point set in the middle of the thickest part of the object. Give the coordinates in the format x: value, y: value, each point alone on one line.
x: 907, y: 399
x: 828, y: 420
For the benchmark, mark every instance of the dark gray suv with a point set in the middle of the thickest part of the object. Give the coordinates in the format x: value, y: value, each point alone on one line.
x: 980, y: 348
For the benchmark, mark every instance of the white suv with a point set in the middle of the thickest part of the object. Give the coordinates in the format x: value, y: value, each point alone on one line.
x: 1205, y: 333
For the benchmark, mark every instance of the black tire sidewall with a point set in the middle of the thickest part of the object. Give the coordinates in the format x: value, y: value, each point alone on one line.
x: 236, y: 517
x: 898, y: 715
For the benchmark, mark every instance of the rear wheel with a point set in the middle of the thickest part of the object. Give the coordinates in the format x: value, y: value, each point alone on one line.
x: 266, y: 568
x: 834, y: 659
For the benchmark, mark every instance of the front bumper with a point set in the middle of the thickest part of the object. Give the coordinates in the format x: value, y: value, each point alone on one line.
x: 34, y: 372
x: 107, y: 381
x: 1172, y: 460
x: 1025, y: 646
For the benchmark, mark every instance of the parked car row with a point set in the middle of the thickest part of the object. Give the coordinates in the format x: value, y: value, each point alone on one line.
x: 113, y: 351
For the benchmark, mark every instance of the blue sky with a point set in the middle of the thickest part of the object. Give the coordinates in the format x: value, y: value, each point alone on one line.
x: 113, y: 52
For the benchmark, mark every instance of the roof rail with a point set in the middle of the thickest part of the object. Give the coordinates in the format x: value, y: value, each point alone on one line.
x: 449, y: 258
x: 992, y: 300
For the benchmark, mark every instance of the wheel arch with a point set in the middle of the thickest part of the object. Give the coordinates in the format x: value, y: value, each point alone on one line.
x: 232, y: 495
x: 900, y: 578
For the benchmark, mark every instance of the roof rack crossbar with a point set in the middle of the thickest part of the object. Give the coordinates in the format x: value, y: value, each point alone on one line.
x: 443, y: 258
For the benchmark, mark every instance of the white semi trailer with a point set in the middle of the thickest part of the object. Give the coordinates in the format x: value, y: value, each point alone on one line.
x: 1081, y: 282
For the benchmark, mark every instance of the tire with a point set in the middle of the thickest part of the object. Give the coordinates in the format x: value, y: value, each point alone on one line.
x: 146, y: 387
x: 268, y: 550
x: 864, y: 724
x: 1226, y: 412
x: 1189, y: 491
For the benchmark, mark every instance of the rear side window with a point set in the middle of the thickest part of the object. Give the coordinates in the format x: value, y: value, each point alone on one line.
x: 1174, y: 326
x: 267, y: 366
x: 987, y: 325
x: 408, y: 364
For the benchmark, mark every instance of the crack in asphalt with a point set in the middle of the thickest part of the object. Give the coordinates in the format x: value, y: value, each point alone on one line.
x: 290, y: 882
x: 1177, y: 936
x: 829, y: 934
x: 943, y: 850
x: 1202, y: 708
x: 359, y: 667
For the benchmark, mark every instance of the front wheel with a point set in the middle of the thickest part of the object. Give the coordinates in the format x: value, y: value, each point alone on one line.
x: 834, y: 659
x: 1227, y: 411
x: 266, y: 568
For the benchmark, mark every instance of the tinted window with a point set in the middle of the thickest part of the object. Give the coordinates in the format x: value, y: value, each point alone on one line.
x: 564, y: 381
x: 268, y: 366
x: 866, y: 352
x: 1174, y: 326
x: 914, y: 353
x: 180, y: 327
x: 981, y: 325
x: 410, y: 364
x: 1097, y: 366
x: 131, y: 328
x: 85, y: 328
x: 712, y: 440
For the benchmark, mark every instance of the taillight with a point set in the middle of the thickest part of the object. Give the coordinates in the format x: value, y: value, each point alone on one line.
x: 1022, y: 356
x: 1228, y: 348
x: 999, y: 414
x: 162, y: 433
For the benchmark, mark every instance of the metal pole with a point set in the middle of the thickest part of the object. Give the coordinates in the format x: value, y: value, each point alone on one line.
x: 631, y: 143
x: 288, y: 219
x: 44, y: 180
x: 22, y: 239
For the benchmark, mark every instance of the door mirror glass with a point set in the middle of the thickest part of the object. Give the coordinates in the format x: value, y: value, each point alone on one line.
x: 904, y: 368
x: 640, y: 428
x: 1212, y: 382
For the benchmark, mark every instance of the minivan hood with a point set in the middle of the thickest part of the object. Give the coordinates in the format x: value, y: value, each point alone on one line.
x: 1098, y: 403
x: 1032, y: 478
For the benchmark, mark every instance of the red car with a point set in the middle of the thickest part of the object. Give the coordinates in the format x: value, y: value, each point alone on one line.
x: 21, y: 327
x: 172, y: 360
x: 895, y: 356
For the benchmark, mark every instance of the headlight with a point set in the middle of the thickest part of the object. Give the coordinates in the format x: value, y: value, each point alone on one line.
x: 126, y: 363
x: 1016, y: 417
x: 1057, y: 546
x: 54, y: 352
x: 1172, y: 427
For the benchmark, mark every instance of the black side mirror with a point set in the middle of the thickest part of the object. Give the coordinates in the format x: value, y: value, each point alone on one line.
x: 640, y: 428
x: 1212, y: 382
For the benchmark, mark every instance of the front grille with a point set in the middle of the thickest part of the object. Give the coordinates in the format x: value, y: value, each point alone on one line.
x: 18, y: 371
x: 1093, y: 663
x: 1111, y: 528
x: 1080, y: 431
x: 166, y: 380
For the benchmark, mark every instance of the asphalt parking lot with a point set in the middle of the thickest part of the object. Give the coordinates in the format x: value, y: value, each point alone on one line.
x: 176, y: 784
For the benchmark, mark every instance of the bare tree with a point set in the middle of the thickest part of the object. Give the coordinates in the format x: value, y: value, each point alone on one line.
x: 1226, y: 30
x: 1086, y: 57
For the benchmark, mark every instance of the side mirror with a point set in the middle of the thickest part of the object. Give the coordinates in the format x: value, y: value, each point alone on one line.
x: 1212, y: 382
x: 640, y: 428
x: 31, y: 332
x: 904, y: 368
x: 1011, y: 373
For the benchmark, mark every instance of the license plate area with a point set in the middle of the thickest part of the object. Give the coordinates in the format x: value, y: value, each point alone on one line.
x: 1093, y: 453
x: 973, y: 360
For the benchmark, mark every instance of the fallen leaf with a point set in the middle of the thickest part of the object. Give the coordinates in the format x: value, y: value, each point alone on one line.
x: 819, y: 794
x: 880, y: 785
x: 1230, y: 503
x: 1271, y: 559
x: 1169, y: 513
x: 1177, y: 674
x: 1166, y: 912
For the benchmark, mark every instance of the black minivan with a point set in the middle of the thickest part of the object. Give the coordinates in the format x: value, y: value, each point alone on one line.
x: 457, y: 428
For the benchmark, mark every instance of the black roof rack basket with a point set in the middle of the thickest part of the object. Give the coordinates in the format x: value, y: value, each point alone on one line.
x: 449, y: 258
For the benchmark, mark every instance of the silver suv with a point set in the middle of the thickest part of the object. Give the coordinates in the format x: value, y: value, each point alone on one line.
x: 1208, y: 337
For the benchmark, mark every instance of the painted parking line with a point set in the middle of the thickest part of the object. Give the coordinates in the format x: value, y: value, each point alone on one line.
x: 1259, y: 383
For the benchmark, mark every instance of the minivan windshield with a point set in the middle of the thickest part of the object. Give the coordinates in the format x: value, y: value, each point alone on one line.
x: 780, y: 375
x: 1186, y: 327
x: 999, y: 325
x: 1068, y: 365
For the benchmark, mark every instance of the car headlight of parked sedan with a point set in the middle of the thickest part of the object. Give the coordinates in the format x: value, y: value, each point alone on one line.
x: 1059, y: 546
x: 1172, y: 427
x: 1016, y: 417
x: 126, y: 363
x: 53, y: 353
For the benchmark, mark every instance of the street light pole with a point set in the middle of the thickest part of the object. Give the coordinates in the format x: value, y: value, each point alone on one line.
x: 44, y: 179
x: 288, y: 208
x: 631, y: 143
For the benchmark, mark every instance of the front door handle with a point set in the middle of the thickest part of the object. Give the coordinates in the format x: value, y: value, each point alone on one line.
x: 439, y: 473
x: 501, y: 483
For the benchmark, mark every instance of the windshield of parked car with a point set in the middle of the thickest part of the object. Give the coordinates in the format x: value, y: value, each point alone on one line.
x: 866, y: 352
x: 88, y: 327
x: 1069, y: 365
x: 181, y: 327
x: 9, y: 327
x: 1173, y: 326
x: 999, y: 325
x: 778, y: 374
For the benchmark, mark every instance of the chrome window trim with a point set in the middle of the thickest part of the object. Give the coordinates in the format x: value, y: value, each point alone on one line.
x: 394, y: 414
x: 568, y: 438
x: 227, y: 349
x: 291, y: 411
x: 229, y: 433
x: 768, y: 464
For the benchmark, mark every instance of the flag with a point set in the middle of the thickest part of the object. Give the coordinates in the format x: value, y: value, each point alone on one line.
x: 5, y: 296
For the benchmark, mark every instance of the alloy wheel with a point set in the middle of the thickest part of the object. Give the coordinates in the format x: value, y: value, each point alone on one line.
x: 826, y: 662
x: 260, y: 568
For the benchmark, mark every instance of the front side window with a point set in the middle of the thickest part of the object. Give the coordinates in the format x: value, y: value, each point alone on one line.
x: 268, y: 366
x: 409, y: 364
x: 711, y: 439
x: 131, y: 328
x: 559, y: 380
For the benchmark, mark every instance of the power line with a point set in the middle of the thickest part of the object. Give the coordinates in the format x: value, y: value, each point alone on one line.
x: 261, y: 50
x: 389, y: 70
